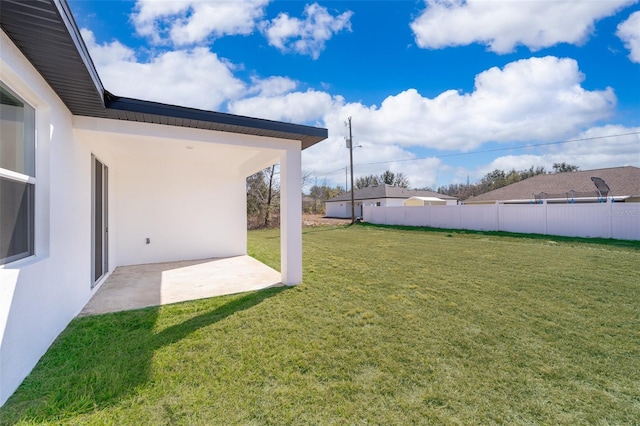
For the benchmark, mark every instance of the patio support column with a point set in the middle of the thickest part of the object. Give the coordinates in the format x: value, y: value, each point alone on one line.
x: 291, y: 215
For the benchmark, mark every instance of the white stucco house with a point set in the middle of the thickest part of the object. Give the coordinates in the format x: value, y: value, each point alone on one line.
x: 90, y: 181
x: 379, y: 195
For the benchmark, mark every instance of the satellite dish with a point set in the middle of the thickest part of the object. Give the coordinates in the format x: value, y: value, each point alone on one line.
x: 603, y: 188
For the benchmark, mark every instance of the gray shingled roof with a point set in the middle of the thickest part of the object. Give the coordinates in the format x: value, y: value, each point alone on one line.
x: 47, y: 35
x: 387, y: 191
x: 622, y: 182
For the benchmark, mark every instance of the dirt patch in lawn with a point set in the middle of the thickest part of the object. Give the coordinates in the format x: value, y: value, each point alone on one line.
x: 320, y: 220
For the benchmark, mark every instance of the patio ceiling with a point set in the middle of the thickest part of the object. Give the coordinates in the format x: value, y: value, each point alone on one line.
x: 227, y: 155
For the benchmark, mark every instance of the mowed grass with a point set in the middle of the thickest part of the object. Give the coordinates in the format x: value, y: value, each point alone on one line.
x: 391, y: 326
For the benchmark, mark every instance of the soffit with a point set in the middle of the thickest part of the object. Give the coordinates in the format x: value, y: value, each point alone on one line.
x: 172, y: 115
x: 45, y: 32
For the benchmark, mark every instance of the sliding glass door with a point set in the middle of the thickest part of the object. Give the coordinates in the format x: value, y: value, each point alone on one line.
x: 99, y: 222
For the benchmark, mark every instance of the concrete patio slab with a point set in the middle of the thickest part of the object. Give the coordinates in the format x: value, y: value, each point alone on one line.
x: 139, y: 286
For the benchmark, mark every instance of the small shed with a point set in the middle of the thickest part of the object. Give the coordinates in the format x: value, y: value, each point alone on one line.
x: 426, y: 201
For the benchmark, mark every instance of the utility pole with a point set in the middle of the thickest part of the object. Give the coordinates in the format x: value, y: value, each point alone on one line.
x: 353, y: 206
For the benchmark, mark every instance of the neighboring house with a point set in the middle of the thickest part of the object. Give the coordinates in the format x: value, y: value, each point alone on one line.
x: 380, y: 195
x: 90, y: 181
x: 569, y: 187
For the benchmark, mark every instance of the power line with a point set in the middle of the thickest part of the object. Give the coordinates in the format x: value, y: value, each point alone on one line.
x: 341, y: 169
x: 484, y: 151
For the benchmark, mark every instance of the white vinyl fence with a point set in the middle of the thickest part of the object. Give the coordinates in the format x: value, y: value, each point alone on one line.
x: 599, y: 220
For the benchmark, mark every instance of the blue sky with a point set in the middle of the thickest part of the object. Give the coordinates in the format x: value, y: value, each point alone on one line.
x: 440, y: 90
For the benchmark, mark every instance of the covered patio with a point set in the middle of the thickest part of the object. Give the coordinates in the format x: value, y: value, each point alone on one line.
x: 114, y: 181
x: 141, y: 286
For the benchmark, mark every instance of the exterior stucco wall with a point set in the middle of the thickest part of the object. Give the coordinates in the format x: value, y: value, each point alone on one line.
x: 390, y: 202
x: 183, y: 189
x: 338, y: 209
x: 162, y: 201
x: 39, y: 295
x: 343, y: 208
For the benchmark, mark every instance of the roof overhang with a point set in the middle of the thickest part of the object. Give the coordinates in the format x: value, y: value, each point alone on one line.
x: 47, y: 34
x: 152, y: 112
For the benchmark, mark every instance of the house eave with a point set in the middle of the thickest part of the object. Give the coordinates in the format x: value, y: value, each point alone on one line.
x: 74, y: 33
x: 46, y: 33
x: 128, y: 109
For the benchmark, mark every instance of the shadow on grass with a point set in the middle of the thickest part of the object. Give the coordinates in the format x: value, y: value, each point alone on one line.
x: 602, y: 241
x: 100, y: 360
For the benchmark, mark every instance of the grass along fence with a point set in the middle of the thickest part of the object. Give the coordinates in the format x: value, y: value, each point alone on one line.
x: 593, y: 220
x: 389, y: 327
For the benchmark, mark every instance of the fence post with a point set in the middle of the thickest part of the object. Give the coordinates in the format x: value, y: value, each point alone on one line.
x: 610, y: 209
x: 546, y: 216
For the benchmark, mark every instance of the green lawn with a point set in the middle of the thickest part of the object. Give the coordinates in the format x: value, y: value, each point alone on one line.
x: 391, y: 326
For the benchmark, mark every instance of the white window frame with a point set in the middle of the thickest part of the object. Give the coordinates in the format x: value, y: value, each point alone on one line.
x: 26, y: 179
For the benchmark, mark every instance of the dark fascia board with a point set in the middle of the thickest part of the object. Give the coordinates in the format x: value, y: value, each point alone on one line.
x: 159, y: 113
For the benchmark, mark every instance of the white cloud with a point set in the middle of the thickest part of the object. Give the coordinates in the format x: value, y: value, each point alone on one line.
x: 190, y: 22
x: 596, y: 148
x: 514, y: 162
x: 606, y: 146
x: 503, y: 25
x: 422, y: 173
x: 329, y: 159
x: 272, y: 86
x: 521, y: 102
x: 193, y: 21
x: 629, y: 33
x: 195, y: 78
x: 308, y: 36
x: 297, y: 107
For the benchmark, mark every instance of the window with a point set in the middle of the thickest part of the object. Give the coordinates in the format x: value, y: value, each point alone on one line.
x: 17, y: 177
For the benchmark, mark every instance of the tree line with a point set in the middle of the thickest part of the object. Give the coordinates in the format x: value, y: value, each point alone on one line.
x: 387, y: 177
x: 499, y: 178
